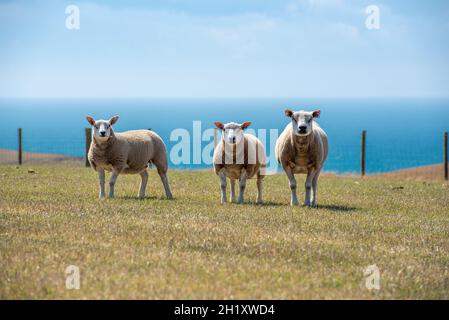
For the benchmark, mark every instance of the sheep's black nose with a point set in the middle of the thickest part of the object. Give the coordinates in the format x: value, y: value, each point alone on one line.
x: 233, y: 140
x: 302, y: 128
x: 102, y: 133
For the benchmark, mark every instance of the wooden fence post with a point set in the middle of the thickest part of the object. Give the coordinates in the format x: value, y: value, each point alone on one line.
x: 20, y: 146
x: 445, y: 157
x: 363, y: 158
x: 88, y: 133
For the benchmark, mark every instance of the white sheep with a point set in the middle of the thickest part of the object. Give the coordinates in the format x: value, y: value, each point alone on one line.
x: 302, y: 148
x: 126, y: 152
x: 238, y: 156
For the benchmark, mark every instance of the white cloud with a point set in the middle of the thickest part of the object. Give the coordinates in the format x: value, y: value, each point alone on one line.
x: 315, y: 48
x: 326, y: 3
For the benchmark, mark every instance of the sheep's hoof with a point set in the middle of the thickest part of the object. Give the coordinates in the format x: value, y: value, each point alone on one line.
x: 310, y: 206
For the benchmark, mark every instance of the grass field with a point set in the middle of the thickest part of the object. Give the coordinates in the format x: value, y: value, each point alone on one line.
x: 193, y: 247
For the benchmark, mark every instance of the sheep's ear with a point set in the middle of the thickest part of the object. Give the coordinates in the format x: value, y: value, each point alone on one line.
x: 219, y: 125
x: 90, y: 120
x: 316, y: 113
x: 245, y: 125
x: 288, y: 113
x: 113, y: 120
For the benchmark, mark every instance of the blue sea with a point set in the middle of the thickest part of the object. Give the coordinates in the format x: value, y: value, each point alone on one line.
x: 401, y: 133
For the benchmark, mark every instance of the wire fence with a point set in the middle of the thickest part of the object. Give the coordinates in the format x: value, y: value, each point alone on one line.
x: 421, y: 158
x: 36, y: 147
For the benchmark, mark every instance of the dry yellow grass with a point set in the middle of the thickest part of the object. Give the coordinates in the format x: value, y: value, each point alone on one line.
x: 192, y: 247
x: 424, y: 173
x: 37, y: 158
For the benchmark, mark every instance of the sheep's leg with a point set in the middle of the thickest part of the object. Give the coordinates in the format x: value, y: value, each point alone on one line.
x: 222, y: 176
x: 292, y: 183
x: 101, y: 176
x: 112, y: 181
x: 143, y: 183
x: 162, y: 169
x: 164, y: 179
x: 314, y: 189
x: 232, y: 197
x: 259, y: 189
x: 242, y: 183
x: 308, y: 186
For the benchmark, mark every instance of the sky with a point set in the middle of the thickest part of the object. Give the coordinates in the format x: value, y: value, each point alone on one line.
x: 224, y: 48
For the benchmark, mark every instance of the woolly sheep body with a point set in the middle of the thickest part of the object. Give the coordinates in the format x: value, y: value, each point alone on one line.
x: 131, y: 151
x: 233, y: 170
x: 251, y: 165
x: 303, y: 154
x: 127, y: 152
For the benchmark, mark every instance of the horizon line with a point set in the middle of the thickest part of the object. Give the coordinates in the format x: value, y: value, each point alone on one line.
x: 222, y: 97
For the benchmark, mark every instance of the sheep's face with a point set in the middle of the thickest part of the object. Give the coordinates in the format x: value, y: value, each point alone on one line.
x: 302, y: 121
x: 102, y: 129
x: 232, y: 132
